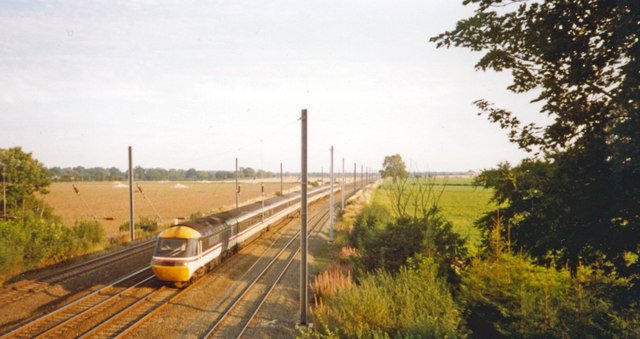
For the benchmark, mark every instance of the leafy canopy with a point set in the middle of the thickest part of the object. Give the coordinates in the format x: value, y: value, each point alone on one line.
x: 394, y: 167
x: 577, y: 199
x: 23, y: 177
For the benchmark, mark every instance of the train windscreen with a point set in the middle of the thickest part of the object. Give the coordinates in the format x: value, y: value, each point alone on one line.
x: 168, y: 247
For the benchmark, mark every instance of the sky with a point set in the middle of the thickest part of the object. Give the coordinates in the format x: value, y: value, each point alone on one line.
x: 195, y: 84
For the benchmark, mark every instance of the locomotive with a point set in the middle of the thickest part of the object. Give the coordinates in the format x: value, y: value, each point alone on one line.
x: 186, y: 251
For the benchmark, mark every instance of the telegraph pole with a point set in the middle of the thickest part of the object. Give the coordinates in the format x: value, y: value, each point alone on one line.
x: 342, y: 190
x: 355, y: 171
x: 303, y: 222
x: 281, y: 191
x: 331, y: 199
x: 131, y: 225
x: 4, y: 192
x: 361, y: 175
x: 237, y: 188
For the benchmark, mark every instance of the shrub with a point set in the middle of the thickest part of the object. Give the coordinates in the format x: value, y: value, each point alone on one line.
x: 514, y: 298
x: 388, y: 244
x: 30, y: 242
x: 196, y: 215
x: 372, y: 218
x: 145, y: 224
x: 412, y: 303
x: 88, y: 232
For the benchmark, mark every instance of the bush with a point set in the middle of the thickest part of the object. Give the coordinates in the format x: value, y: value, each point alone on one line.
x: 514, y: 298
x: 88, y: 233
x: 371, y: 219
x: 414, y: 303
x: 196, y: 215
x: 388, y: 244
x: 145, y: 224
x: 30, y: 242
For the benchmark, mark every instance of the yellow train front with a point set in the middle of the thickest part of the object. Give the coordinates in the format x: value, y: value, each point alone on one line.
x: 185, y: 252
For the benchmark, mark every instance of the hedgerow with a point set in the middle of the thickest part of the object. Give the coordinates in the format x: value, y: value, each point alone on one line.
x: 29, y: 242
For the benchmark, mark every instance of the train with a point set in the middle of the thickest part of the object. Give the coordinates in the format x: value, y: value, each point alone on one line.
x: 186, y: 251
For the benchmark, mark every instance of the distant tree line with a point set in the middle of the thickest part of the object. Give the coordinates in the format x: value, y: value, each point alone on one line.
x: 80, y: 173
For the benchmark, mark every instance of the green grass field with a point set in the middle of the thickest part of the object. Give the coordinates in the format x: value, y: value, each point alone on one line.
x: 461, y: 204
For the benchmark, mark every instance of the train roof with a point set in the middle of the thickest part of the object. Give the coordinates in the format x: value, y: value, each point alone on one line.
x: 205, y: 225
x: 209, y: 224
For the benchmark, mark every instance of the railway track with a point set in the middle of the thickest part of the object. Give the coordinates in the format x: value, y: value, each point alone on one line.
x: 66, y: 320
x: 248, y: 313
x: 28, y: 287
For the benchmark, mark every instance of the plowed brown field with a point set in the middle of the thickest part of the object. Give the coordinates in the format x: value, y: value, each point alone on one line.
x: 172, y: 200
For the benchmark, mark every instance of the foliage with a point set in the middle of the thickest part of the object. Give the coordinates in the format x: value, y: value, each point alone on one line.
x: 145, y: 224
x: 23, y: 177
x: 372, y: 218
x: 578, y: 204
x: 580, y: 56
x: 194, y: 215
x: 387, y: 243
x: 391, y: 246
x: 394, y: 167
x: 30, y: 242
x: 88, y: 232
x: 559, y: 225
x: 517, y: 190
x: 514, y: 298
x: 414, y: 303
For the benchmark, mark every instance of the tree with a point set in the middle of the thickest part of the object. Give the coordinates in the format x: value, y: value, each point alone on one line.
x: 394, y: 167
x: 115, y: 174
x: 191, y: 174
x: 248, y: 172
x: 23, y: 177
x: 581, y: 57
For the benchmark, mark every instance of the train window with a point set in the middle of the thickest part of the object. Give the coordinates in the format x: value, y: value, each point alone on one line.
x: 170, y: 247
